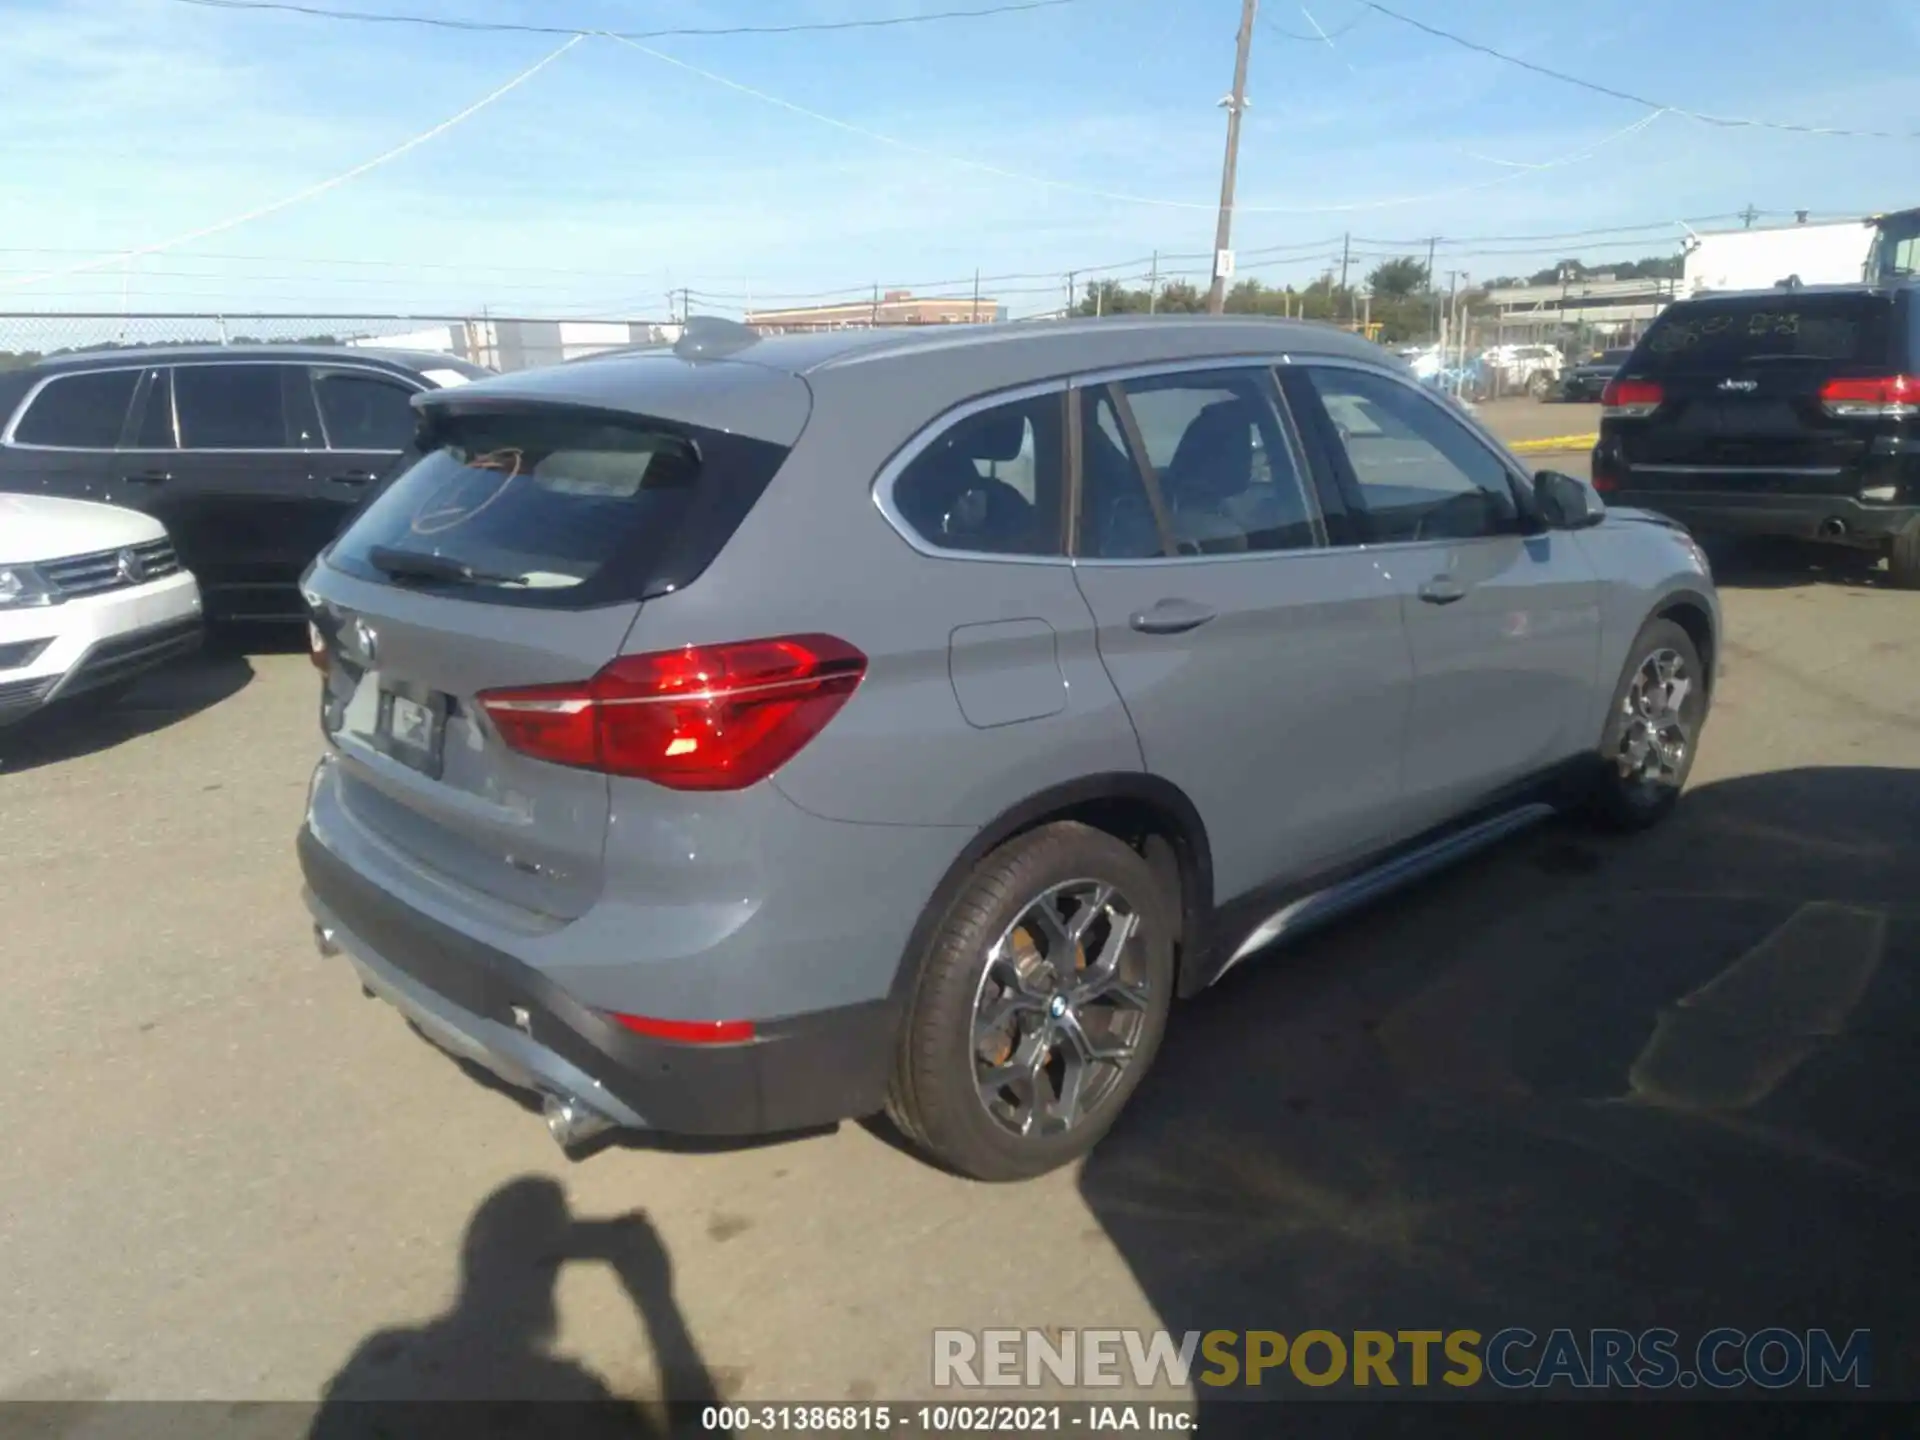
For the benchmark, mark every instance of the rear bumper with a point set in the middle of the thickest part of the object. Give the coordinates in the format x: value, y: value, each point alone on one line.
x: 506, y: 1016
x: 1796, y: 517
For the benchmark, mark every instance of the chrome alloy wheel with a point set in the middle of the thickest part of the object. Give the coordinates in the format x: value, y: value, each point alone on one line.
x: 1060, y: 1008
x: 1654, y: 737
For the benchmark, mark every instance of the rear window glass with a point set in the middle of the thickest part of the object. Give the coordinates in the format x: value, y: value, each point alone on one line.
x: 562, y: 509
x: 1842, y: 329
x: 83, y: 412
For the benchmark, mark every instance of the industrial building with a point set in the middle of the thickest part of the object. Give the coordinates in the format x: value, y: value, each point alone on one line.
x: 893, y: 307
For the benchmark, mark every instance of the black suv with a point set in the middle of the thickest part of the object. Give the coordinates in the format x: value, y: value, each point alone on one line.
x: 252, y: 456
x: 1790, y: 413
x: 1587, y: 380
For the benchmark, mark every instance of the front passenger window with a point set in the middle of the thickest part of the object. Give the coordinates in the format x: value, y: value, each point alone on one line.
x: 991, y: 484
x: 1418, y: 473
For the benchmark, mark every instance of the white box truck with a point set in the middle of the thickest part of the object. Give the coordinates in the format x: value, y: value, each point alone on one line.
x: 1829, y: 253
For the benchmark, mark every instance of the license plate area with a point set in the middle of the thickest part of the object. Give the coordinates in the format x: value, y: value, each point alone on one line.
x: 411, y: 727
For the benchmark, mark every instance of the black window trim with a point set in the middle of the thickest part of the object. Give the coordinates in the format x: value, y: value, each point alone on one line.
x: 39, y: 386
x: 141, y: 384
x: 1113, y: 381
x: 1335, y: 473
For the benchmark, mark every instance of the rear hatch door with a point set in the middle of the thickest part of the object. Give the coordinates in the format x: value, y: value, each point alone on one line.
x: 516, y: 551
x: 1741, y: 382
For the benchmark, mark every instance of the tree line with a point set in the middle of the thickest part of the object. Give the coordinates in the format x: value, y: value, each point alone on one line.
x: 1398, y: 295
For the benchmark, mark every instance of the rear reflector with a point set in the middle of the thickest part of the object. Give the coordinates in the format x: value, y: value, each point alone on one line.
x: 1890, y: 397
x: 316, y: 646
x: 1630, y: 399
x: 709, y: 717
x: 688, y: 1032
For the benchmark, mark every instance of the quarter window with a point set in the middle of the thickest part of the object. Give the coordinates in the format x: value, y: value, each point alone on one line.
x: 79, y: 412
x: 363, y: 412
x: 1212, y: 449
x: 245, y: 407
x: 991, y: 484
x: 1417, y: 473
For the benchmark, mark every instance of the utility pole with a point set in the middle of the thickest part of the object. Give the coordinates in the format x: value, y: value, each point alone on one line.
x: 1073, y: 295
x: 1346, y: 254
x: 976, y: 297
x: 1235, y: 103
x: 1153, y: 285
x: 1748, y: 216
x: 1432, y: 289
x: 876, y: 306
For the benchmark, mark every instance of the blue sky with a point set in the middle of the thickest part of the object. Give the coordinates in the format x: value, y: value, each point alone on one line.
x: 612, y: 176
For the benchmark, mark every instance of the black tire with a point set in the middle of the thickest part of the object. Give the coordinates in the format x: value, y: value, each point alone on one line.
x: 1628, y: 803
x: 935, y: 1098
x: 1903, y: 558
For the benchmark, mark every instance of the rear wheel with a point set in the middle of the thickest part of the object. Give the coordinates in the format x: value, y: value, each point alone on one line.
x: 1653, y: 729
x: 1903, y: 557
x: 1040, y: 1006
x: 1540, y: 385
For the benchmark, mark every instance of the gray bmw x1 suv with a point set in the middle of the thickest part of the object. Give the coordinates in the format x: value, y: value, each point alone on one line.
x: 762, y: 732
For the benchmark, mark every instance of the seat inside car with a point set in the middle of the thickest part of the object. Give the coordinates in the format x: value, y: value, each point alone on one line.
x: 956, y: 499
x: 1212, y: 467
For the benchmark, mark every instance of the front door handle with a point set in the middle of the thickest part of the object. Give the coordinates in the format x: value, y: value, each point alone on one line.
x: 148, y: 477
x: 353, y: 477
x: 1442, y: 590
x: 1170, y: 617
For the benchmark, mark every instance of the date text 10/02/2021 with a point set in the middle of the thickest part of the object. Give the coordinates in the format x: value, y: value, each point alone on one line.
x: 1080, y: 1417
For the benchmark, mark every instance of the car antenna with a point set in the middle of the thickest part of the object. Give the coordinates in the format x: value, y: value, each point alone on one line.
x: 711, y: 337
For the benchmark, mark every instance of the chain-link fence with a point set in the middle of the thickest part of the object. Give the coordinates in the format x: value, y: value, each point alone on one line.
x: 500, y: 343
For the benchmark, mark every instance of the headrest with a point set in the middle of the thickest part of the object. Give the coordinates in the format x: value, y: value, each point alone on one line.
x: 995, y: 436
x: 1214, y: 460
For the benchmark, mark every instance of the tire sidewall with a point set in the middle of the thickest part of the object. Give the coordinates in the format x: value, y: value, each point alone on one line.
x: 950, y: 1118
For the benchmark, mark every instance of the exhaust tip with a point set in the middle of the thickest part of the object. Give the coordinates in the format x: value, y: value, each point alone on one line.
x: 570, y: 1122
x: 1833, y: 528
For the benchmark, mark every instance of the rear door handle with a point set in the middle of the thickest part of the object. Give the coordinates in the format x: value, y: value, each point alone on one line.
x: 1442, y: 590
x: 1170, y: 617
x: 353, y: 477
x: 148, y: 477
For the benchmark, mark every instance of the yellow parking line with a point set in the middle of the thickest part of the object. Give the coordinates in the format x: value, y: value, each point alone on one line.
x: 1556, y: 442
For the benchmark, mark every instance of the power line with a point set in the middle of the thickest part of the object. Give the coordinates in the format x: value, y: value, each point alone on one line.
x: 1725, y: 121
x: 384, y: 17
x: 321, y: 187
x: 1324, y: 38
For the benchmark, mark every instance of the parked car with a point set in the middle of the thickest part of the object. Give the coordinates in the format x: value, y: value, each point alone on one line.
x: 1585, y: 381
x: 252, y: 457
x: 91, y: 597
x: 1790, y: 413
x: 765, y: 731
x: 1535, y: 369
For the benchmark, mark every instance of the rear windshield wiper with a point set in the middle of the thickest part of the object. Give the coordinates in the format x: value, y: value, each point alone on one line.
x: 398, y: 564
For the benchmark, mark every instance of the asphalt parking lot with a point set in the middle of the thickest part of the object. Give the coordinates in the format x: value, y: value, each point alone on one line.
x: 1580, y: 1082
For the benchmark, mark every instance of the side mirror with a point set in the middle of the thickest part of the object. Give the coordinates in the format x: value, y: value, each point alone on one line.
x: 1567, y: 503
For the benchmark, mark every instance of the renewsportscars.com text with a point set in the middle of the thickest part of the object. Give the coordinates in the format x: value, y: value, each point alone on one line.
x: 1510, y: 1359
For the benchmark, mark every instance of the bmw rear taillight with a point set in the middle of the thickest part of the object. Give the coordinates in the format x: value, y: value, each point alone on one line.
x: 1879, y: 397
x: 707, y: 717
x: 1630, y: 399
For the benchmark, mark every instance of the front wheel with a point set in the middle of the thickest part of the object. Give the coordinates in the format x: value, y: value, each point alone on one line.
x: 1653, y: 729
x: 1041, y: 1004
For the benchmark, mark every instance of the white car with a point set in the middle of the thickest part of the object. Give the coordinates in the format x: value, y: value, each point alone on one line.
x: 91, y: 596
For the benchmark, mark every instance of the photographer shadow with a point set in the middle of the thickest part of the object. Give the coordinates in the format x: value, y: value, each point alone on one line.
x: 487, y: 1365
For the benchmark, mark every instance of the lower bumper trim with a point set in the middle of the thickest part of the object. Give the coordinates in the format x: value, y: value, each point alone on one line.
x: 477, y: 1002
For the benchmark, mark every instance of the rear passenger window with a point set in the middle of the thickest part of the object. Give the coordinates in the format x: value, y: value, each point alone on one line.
x: 79, y: 412
x: 364, y: 412
x: 1223, y: 475
x: 244, y: 407
x: 991, y: 484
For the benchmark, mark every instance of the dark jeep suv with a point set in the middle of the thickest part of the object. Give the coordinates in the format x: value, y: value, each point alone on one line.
x: 1791, y: 413
x: 253, y: 457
